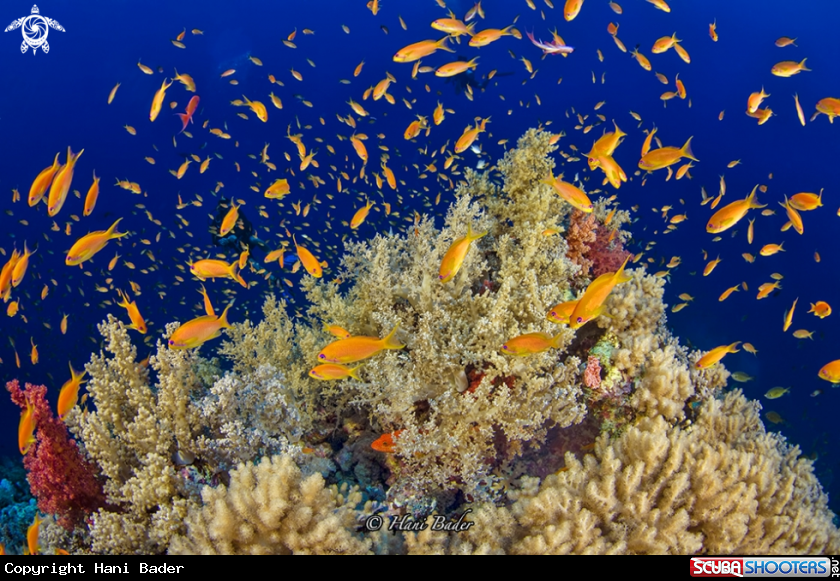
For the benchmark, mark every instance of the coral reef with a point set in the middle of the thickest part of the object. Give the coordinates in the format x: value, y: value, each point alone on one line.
x: 634, y: 451
x: 60, y: 478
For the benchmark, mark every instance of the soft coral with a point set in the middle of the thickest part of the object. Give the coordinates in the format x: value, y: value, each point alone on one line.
x: 59, y: 476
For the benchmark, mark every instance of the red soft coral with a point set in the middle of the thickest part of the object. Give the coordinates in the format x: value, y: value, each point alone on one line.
x: 59, y: 476
x: 604, y: 254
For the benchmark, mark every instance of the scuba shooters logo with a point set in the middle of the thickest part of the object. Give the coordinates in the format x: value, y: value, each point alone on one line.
x: 35, y: 29
x: 761, y: 566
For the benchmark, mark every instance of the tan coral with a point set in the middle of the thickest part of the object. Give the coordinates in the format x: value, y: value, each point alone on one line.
x: 723, y: 486
x: 269, y: 508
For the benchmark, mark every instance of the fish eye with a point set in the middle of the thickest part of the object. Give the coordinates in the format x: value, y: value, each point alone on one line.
x: 322, y: 356
x: 580, y: 320
x: 553, y: 314
x: 171, y: 342
x: 504, y: 346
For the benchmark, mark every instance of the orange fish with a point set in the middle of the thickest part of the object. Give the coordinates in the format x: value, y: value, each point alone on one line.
x: 332, y: 372
x: 360, y: 215
x: 665, y: 156
x: 469, y: 136
x: 32, y: 536
x: 455, y: 255
x: 562, y: 312
x: 386, y: 442
x: 755, y: 100
x: 92, y: 196
x: 831, y: 372
x: 19, y: 270
x: 157, y: 101
x: 195, y: 332
x: 713, y: 31
x: 420, y: 49
x: 61, y: 183
x: 591, y: 304
x: 308, y: 260
x: 572, y: 9
x: 732, y: 213
x: 805, y: 201
x: 355, y: 349
x: 456, y: 68
x: 820, y: 309
x: 229, y: 221
x: 211, y: 268
x: 68, y: 397
x: 531, y: 343
x: 570, y: 193
x: 716, y: 355
x: 789, y: 68
x: 26, y: 429
x: 336, y: 331
x: 43, y: 181
x: 278, y: 189
x: 89, y: 244
x: 258, y: 108
x: 489, y: 35
x: 829, y: 106
x: 137, y: 321
x: 414, y: 128
x: 789, y: 316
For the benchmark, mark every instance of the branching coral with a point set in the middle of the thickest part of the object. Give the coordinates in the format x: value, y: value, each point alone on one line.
x: 269, y: 508
x: 721, y: 486
x: 131, y: 436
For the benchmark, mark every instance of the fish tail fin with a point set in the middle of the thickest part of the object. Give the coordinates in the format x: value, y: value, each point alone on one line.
x: 352, y: 372
x: 471, y: 28
x: 390, y: 341
x: 234, y: 273
x: 185, y: 118
x: 686, y: 150
x: 753, y: 201
x: 223, y: 321
x: 472, y: 235
x: 557, y: 340
x: 441, y: 44
x: 111, y: 231
x: 75, y: 375
x: 620, y: 275
x: 734, y: 347
x: 802, y: 65
x: 819, y: 198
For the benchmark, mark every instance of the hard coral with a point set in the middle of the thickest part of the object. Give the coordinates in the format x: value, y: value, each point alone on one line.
x: 62, y: 480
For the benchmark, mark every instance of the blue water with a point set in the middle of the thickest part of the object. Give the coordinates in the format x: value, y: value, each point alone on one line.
x: 58, y: 99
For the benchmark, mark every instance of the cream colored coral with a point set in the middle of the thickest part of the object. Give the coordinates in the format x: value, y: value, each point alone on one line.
x: 722, y: 486
x: 269, y: 508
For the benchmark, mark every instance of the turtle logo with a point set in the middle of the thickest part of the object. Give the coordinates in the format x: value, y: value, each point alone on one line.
x: 35, y: 29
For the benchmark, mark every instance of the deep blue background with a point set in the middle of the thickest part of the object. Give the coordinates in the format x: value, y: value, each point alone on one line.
x: 51, y: 101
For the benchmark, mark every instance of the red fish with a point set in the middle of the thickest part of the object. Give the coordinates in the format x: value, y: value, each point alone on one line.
x: 187, y: 117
